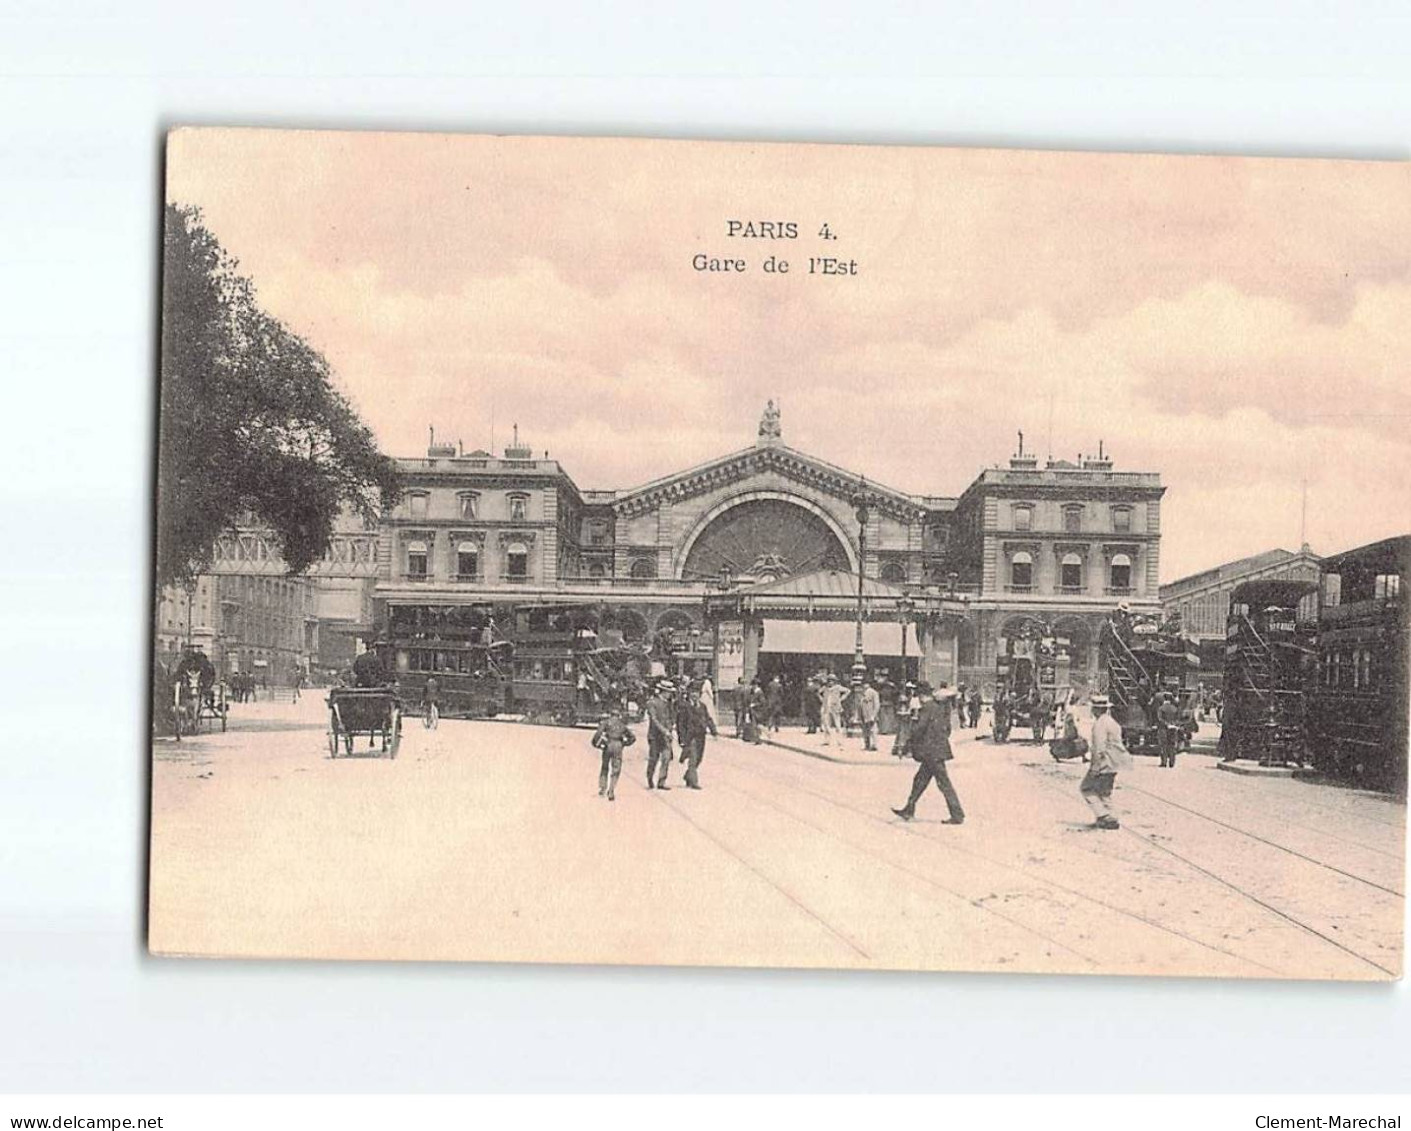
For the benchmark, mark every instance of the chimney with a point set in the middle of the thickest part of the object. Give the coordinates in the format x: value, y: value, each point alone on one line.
x: 1019, y: 461
x: 1102, y: 463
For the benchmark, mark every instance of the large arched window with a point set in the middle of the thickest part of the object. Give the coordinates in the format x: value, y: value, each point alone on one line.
x: 893, y: 572
x: 1021, y: 572
x: 516, y: 562
x: 1121, y: 574
x: 1071, y: 573
x: 597, y: 569
x: 467, y: 561
x: 416, y: 561
x: 644, y: 569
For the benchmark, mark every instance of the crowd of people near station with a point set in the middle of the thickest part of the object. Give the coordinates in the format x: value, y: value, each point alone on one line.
x: 679, y: 716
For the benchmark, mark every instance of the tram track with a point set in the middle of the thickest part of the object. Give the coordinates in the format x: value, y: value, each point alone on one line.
x: 1242, y: 892
x: 836, y: 931
x: 1274, y: 844
x: 930, y: 881
x: 1046, y: 881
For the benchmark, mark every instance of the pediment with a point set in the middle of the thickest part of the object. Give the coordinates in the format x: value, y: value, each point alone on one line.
x: 778, y: 459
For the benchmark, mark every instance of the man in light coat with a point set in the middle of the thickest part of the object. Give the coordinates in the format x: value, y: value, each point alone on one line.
x: 1109, y: 757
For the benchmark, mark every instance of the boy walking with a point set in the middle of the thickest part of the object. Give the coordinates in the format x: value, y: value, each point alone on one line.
x: 612, y: 737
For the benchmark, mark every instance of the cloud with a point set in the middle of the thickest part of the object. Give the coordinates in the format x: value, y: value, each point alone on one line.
x: 1237, y: 325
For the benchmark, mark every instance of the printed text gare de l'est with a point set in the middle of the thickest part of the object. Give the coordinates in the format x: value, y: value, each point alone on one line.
x: 773, y: 264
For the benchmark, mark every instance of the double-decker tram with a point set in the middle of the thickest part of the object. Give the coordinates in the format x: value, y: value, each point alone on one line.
x: 1357, y: 716
x: 567, y: 667
x: 1140, y: 657
x: 1270, y: 644
x: 462, y: 646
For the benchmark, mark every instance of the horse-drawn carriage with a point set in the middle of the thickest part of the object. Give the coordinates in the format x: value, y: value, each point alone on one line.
x: 373, y: 711
x: 195, y: 707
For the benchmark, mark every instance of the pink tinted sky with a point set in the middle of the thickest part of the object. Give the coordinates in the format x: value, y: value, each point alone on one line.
x: 1237, y: 325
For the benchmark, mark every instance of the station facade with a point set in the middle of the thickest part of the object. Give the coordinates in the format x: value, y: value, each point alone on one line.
x: 758, y: 561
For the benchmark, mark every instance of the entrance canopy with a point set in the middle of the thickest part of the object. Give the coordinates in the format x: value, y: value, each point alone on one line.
x: 837, y: 637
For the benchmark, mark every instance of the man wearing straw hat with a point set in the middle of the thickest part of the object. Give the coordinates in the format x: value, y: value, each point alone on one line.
x: 1109, y: 756
x: 661, y: 724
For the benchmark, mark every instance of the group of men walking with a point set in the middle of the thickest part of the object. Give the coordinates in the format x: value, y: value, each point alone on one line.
x: 925, y: 717
x: 670, y: 720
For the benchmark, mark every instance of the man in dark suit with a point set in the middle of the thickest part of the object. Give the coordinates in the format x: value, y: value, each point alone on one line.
x: 693, y: 722
x: 929, y: 744
x: 661, y: 725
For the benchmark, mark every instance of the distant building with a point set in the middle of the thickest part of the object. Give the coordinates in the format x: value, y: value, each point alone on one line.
x: 1202, y: 600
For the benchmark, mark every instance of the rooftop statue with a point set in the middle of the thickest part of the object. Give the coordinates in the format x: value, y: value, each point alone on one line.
x: 769, y: 423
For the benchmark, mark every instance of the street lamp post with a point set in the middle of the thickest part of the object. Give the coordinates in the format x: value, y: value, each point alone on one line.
x: 905, y: 607
x: 862, y: 503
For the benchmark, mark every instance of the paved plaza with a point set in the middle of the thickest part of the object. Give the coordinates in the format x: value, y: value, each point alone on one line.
x: 488, y: 841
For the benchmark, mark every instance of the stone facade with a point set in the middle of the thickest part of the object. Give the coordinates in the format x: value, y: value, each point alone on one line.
x: 1023, y: 548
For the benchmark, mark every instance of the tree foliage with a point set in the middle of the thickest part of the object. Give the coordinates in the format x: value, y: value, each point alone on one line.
x: 249, y: 419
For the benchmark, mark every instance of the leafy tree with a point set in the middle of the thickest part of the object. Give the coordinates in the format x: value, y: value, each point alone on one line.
x: 250, y: 420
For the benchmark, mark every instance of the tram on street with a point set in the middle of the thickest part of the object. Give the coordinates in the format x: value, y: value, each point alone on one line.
x: 1270, y: 644
x: 1139, y: 658
x: 1357, y: 711
x: 461, y: 646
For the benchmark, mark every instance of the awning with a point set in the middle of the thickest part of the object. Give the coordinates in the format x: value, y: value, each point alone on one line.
x: 837, y: 637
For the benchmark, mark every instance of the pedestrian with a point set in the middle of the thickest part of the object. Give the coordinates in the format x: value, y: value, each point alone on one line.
x: 962, y: 705
x: 755, y: 713
x: 774, y: 703
x: 612, y: 737
x: 869, y: 704
x: 1109, y: 756
x: 661, y: 725
x: 693, y: 723
x: 1000, y: 712
x: 908, y: 707
x: 930, y: 746
x: 431, y: 703
x: 741, y: 702
x: 298, y: 683
x: 977, y: 705
x: 1168, y: 723
x: 887, y: 712
x: 812, y: 707
x: 831, y: 701
x: 708, y: 697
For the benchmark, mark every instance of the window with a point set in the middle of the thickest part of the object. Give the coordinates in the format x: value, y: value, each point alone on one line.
x: 1121, y: 574
x: 1072, y: 519
x: 894, y: 572
x: 597, y: 569
x: 416, y: 561
x: 467, y: 561
x: 1388, y: 586
x: 416, y: 502
x: 1071, y: 573
x: 1024, y: 517
x: 519, y: 508
x: 598, y: 534
x: 1122, y: 519
x: 516, y: 561
x: 644, y: 568
x: 1332, y: 590
x: 1021, y: 572
x: 469, y: 504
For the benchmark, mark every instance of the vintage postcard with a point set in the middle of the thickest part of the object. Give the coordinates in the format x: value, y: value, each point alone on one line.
x: 683, y: 553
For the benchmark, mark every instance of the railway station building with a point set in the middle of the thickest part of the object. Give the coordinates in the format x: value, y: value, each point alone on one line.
x: 757, y: 562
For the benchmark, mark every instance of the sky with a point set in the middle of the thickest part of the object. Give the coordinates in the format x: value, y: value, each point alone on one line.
x: 1241, y: 326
